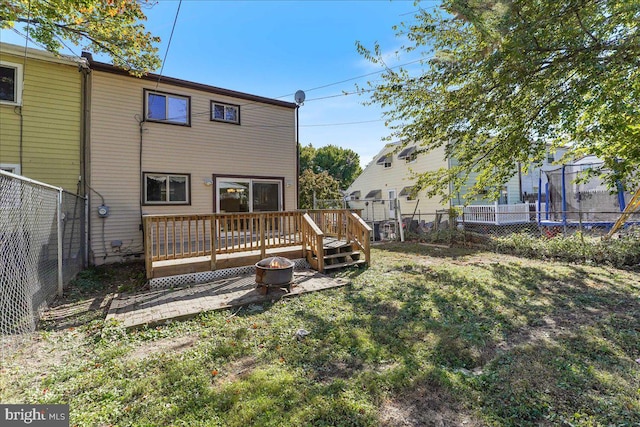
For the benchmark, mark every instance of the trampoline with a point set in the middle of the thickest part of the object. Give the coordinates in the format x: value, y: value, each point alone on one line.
x: 563, y: 202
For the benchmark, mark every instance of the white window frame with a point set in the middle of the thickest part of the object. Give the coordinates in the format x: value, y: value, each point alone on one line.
x: 17, y: 83
x: 187, y: 200
x: 550, y: 158
x: 411, y: 158
x: 148, y: 92
x: 388, y: 165
x: 13, y: 168
x: 226, y: 106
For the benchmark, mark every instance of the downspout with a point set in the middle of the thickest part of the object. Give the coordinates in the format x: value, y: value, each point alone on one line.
x: 84, y: 156
x: 141, y: 123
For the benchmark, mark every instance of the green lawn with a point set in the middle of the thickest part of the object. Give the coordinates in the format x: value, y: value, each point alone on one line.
x: 425, y: 336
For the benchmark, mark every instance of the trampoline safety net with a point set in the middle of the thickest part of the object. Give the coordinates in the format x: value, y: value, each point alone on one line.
x: 588, y: 202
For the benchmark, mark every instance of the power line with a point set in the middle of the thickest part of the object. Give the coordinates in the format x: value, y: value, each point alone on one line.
x: 166, y: 52
x: 358, y: 77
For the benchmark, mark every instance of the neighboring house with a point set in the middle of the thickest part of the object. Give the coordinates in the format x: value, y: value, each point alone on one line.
x: 41, y: 115
x: 160, y: 145
x: 390, y: 176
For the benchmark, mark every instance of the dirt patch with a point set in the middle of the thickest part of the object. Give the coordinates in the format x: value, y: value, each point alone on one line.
x: 38, y: 354
x: 237, y: 370
x: 425, y: 405
x: 173, y: 345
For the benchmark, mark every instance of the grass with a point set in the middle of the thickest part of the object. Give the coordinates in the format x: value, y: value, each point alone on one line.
x: 426, y: 335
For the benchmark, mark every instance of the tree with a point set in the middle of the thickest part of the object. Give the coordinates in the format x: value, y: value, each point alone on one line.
x: 112, y: 27
x: 501, y: 80
x: 321, y: 184
x: 343, y: 164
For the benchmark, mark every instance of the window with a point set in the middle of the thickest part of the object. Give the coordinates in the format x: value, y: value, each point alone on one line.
x: 167, y: 108
x: 221, y: 112
x: 550, y: 158
x: 408, y: 193
x: 10, y: 83
x: 385, y: 161
x: 166, y: 189
x: 246, y: 194
x: 409, y: 154
x: 12, y: 168
x: 374, y: 194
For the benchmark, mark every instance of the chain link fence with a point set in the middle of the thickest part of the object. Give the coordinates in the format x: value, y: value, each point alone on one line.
x: 450, y: 226
x: 42, y: 247
x: 329, y: 203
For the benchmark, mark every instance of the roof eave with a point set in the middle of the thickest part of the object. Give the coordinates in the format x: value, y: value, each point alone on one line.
x: 108, y: 68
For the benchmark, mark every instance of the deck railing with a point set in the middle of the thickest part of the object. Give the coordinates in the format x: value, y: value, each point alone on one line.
x: 359, y: 232
x: 313, y: 242
x: 175, y: 237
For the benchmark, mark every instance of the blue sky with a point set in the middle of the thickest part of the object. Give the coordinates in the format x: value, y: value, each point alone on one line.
x: 273, y: 48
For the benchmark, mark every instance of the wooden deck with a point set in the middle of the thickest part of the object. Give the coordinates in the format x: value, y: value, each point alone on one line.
x: 184, y: 244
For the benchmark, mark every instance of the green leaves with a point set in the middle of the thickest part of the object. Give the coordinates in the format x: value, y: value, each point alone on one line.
x: 318, y: 186
x: 503, y: 80
x: 111, y: 27
x: 342, y: 164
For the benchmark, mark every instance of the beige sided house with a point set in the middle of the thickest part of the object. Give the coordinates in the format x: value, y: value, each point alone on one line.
x: 160, y: 145
x: 41, y: 115
x: 389, y: 176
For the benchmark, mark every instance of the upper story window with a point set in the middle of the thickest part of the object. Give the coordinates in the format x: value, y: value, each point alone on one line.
x: 10, y: 83
x: 221, y: 112
x: 385, y: 160
x: 167, y: 108
x: 550, y: 158
x: 409, y: 154
x: 166, y: 189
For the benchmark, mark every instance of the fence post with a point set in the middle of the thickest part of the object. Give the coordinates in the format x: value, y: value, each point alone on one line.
x: 399, y: 216
x: 60, y: 249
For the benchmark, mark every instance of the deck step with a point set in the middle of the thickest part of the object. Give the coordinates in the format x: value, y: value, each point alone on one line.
x: 342, y: 254
x: 344, y: 264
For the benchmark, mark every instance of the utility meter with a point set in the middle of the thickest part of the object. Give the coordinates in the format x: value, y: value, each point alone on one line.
x: 103, y: 211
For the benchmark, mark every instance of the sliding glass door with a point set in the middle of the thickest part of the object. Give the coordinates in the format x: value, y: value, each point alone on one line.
x: 248, y: 195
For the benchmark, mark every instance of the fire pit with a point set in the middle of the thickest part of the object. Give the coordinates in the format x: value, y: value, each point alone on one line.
x: 276, y: 272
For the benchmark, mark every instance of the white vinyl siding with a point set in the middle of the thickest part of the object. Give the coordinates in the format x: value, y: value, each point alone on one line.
x: 397, y: 177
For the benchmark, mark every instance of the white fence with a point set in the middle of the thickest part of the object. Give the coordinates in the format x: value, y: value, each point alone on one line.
x: 42, y: 247
x: 498, y: 214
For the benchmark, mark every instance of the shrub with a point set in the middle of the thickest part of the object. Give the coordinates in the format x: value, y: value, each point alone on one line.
x: 621, y: 252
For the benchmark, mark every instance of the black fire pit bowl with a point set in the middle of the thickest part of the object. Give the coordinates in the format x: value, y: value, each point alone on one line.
x: 274, y: 271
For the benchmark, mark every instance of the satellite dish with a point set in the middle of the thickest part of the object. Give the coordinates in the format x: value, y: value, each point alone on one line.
x: 299, y: 97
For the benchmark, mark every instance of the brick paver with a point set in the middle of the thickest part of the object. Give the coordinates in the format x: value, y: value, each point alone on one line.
x: 154, y: 307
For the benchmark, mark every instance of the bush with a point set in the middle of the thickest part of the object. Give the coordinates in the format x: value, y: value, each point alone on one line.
x: 621, y: 252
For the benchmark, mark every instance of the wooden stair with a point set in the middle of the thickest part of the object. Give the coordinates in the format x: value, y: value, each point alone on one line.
x: 340, y: 254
